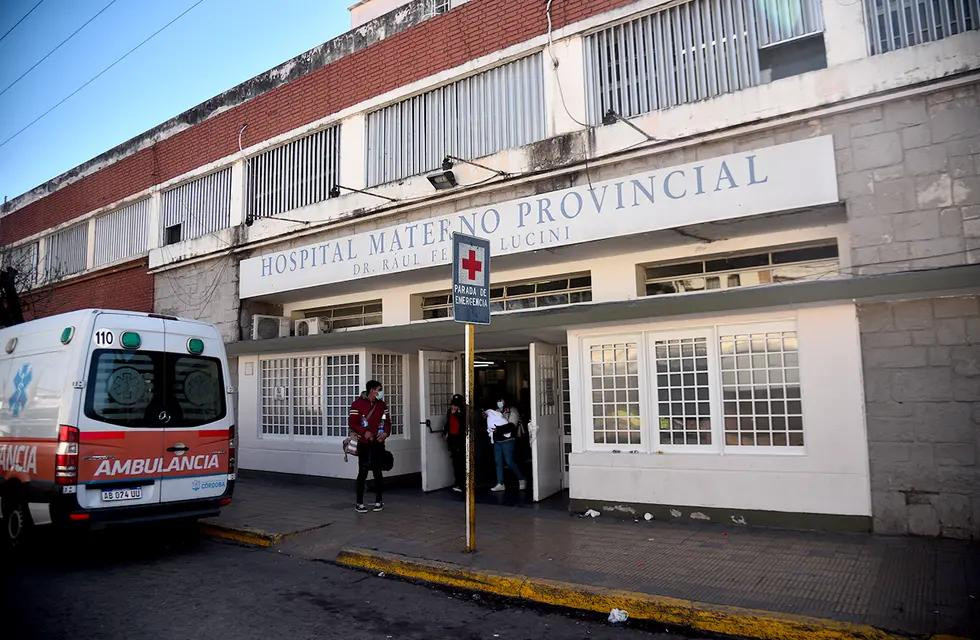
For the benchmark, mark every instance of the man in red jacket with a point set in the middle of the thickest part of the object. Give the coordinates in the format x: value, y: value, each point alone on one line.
x: 369, y: 419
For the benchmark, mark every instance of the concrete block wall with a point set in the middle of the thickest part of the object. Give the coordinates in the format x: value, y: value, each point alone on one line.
x: 922, y: 387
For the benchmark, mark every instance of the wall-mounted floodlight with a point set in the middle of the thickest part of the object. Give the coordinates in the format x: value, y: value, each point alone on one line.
x: 444, y: 178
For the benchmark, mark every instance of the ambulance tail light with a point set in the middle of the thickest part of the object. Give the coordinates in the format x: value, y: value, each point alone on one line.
x: 66, y: 456
x: 232, y: 451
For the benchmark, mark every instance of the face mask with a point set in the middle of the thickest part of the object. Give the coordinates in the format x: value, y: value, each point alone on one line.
x: 381, y: 395
x: 500, y: 405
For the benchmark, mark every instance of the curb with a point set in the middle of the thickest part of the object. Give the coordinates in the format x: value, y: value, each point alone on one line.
x: 698, y: 616
x: 242, y: 535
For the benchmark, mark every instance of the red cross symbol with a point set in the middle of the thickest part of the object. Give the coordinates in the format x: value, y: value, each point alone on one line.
x: 472, y: 265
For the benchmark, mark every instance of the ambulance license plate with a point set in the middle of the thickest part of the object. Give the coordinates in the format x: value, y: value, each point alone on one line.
x: 112, y: 495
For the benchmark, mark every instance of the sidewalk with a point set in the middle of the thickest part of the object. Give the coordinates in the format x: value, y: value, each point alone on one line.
x: 917, y: 586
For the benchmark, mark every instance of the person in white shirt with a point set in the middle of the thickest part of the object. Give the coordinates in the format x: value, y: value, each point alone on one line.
x: 503, y: 423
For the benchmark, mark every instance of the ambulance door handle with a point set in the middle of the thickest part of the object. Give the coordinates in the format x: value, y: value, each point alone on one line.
x: 180, y: 448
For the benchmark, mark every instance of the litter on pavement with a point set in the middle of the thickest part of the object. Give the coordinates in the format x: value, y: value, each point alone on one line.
x: 617, y: 615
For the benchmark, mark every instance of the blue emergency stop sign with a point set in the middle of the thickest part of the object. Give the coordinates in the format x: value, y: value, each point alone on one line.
x: 471, y: 279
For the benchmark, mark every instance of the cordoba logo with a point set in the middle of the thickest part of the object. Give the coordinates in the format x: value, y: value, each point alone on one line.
x: 21, y: 458
x: 150, y: 466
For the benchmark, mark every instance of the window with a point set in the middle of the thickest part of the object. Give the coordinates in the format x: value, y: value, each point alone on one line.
x: 23, y: 258
x: 896, y: 24
x: 345, y: 316
x: 130, y: 389
x: 683, y: 396
x: 497, y: 109
x: 197, y: 207
x: 66, y: 252
x: 514, y: 296
x: 275, y: 396
x: 307, y: 398
x: 122, y: 233
x: 440, y: 385
x: 615, y: 393
x: 566, y: 405
x: 171, y: 235
x: 387, y: 369
x: 343, y: 385
x: 785, y: 264
x: 760, y: 378
x: 688, y: 52
x: 293, y: 175
x: 439, y: 6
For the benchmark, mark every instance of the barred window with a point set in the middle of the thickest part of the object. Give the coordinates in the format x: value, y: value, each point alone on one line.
x: 614, y: 369
x: 566, y: 405
x: 196, y: 208
x: 307, y: 400
x: 760, y: 378
x: 440, y: 385
x: 23, y: 258
x: 346, y: 316
x: 774, y: 266
x: 387, y: 369
x: 484, y: 113
x: 122, y: 233
x: 683, y: 396
x: 343, y: 385
x: 896, y: 24
x: 521, y: 295
x: 274, y: 384
x: 66, y: 252
x: 296, y: 174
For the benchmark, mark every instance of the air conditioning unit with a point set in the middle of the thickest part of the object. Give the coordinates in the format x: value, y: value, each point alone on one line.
x: 311, y: 326
x: 265, y: 327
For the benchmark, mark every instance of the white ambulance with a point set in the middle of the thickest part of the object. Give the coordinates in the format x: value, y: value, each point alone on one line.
x: 113, y: 416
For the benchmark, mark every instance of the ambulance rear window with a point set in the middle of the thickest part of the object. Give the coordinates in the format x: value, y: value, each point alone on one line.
x: 123, y: 387
x: 135, y: 388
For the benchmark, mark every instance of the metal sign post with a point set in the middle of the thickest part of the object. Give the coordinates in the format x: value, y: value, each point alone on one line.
x: 471, y: 305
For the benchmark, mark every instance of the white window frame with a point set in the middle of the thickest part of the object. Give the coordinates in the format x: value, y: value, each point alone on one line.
x: 764, y: 327
x: 362, y: 372
x: 714, y: 389
x: 586, y: 400
x: 406, y: 433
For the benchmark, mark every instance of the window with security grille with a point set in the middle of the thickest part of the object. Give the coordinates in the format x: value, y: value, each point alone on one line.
x: 521, y: 295
x: 773, y: 266
x: 122, y: 233
x: 614, y: 372
x: 23, y: 258
x: 274, y: 385
x: 66, y: 252
x: 387, y: 368
x: 307, y: 396
x: 896, y: 24
x: 760, y: 382
x: 440, y: 385
x: 293, y: 175
x: 689, y: 51
x: 196, y: 208
x: 683, y: 396
x: 346, y: 316
x: 497, y: 109
x: 343, y: 384
x: 566, y: 404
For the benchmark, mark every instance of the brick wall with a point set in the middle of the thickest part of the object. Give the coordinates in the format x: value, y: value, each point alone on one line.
x: 128, y: 287
x: 922, y: 387
x: 477, y: 28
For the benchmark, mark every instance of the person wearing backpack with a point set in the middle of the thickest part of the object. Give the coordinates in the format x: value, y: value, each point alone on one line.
x: 369, y: 419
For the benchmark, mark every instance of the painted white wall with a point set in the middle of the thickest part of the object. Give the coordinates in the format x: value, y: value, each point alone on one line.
x: 367, y: 10
x: 830, y: 475
x: 353, y: 151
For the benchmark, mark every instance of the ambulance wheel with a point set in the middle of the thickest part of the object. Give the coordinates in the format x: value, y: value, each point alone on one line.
x: 16, y: 522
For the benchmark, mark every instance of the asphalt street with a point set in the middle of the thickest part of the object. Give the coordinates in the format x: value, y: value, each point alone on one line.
x: 159, y: 584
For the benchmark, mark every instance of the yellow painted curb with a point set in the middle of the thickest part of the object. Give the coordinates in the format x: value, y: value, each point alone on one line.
x: 732, y: 621
x: 244, y: 535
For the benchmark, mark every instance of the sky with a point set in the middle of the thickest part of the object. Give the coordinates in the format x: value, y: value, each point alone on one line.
x: 214, y: 47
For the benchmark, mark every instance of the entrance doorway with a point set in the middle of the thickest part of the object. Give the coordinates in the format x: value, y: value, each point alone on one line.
x: 528, y: 379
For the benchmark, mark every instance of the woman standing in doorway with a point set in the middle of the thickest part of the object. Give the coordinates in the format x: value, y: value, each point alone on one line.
x: 456, y: 439
x: 502, y: 426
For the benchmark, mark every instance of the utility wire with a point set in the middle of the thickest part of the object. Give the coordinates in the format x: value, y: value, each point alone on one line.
x: 99, y: 74
x: 48, y: 54
x: 24, y: 17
